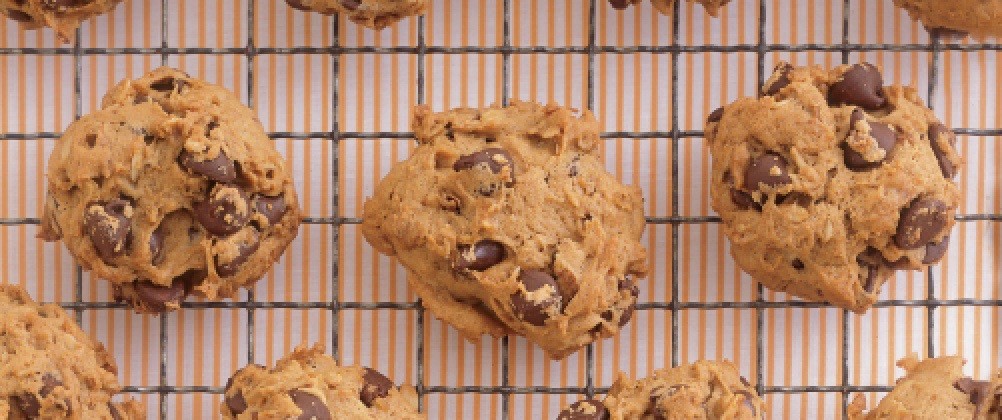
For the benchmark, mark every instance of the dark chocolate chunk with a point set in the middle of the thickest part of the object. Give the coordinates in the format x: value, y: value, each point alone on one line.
x: 920, y: 222
x: 861, y: 85
x: 225, y: 211
x: 484, y: 254
x: 375, y: 385
x: 590, y: 409
x: 540, y: 298
x: 109, y: 227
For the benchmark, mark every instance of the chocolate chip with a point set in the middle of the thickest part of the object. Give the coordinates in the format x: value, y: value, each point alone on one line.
x: 920, y: 222
x: 109, y: 227
x: 798, y: 264
x: 219, y: 169
x: 870, y: 261
x: 351, y: 4
x: 156, y: 297
x: 769, y: 169
x: 115, y: 414
x: 19, y: 16
x: 485, y: 254
x: 236, y: 403
x: 298, y: 5
x: 225, y: 211
x: 312, y: 406
x: 743, y: 200
x: 49, y: 383
x: 980, y: 393
x: 627, y: 314
x: 374, y: 386
x: 157, y: 245
x: 493, y: 158
x: 748, y: 401
x: 716, y: 115
x: 243, y: 248
x: 795, y: 198
x: 936, y: 132
x: 29, y: 404
x: 780, y: 77
x: 883, y: 134
x: 168, y: 84
x: 619, y: 4
x: 934, y: 251
x: 540, y: 298
x: 861, y: 85
x: 590, y: 409
x: 273, y: 208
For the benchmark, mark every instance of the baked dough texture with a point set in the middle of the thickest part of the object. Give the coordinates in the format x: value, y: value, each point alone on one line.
x: 705, y: 390
x: 665, y: 6
x: 171, y: 188
x: 509, y: 224
x: 308, y: 384
x: 63, y: 16
x: 51, y: 369
x: 830, y: 181
x: 935, y: 389
x: 979, y: 18
x: 374, y: 14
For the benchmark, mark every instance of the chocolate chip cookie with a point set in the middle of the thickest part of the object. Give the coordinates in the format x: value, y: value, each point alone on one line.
x: 172, y: 187
x: 934, y: 389
x: 831, y: 181
x: 49, y: 368
x: 703, y: 390
x: 64, y: 16
x: 979, y: 18
x: 665, y: 6
x: 509, y: 224
x: 308, y: 384
x: 375, y: 14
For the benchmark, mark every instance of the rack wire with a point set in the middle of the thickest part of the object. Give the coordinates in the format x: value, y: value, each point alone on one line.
x: 506, y: 390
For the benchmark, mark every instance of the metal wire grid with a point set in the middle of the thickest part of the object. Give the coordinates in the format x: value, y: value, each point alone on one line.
x: 506, y: 390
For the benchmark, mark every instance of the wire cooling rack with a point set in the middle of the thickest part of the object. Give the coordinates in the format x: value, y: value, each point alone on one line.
x: 676, y: 136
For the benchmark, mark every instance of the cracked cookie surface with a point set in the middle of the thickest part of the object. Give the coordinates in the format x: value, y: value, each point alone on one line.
x: 934, y: 389
x: 509, y: 224
x: 980, y: 18
x: 50, y: 368
x: 665, y: 6
x: 308, y: 384
x: 171, y: 188
x: 63, y: 16
x: 707, y: 390
x: 374, y: 14
x: 830, y: 181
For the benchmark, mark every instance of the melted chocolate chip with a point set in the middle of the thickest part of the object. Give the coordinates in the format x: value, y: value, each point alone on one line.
x: 245, y: 247
x: 920, y: 222
x: 883, y: 134
x: 934, y: 251
x: 980, y: 394
x: 484, y: 254
x: 937, y: 132
x: 493, y: 158
x: 540, y: 298
x: 769, y: 169
x: 225, y: 211
x: 619, y: 4
x: 861, y: 85
x: 798, y: 264
x: 219, y: 169
x: 19, y: 16
x: 716, y: 115
x: 273, y: 208
x: 782, y: 79
x: 590, y: 409
x: 312, y: 406
x: 375, y: 385
x: 157, y: 297
x: 235, y: 402
x: 298, y: 5
x: 109, y: 227
x: 157, y: 245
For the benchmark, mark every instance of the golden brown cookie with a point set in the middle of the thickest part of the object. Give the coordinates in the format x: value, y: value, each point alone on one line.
x: 308, y: 384
x: 703, y: 390
x: 980, y: 18
x: 171, y: 188
x: 935, y: 389
x: 375, y: 14
x: 665, y: 6
x: 830, y: 181
x: 64, y: 16
x: 509, y: 224
x: 51, y: 369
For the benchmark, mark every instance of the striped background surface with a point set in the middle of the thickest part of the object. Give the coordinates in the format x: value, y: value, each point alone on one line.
x: 372, y: 90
